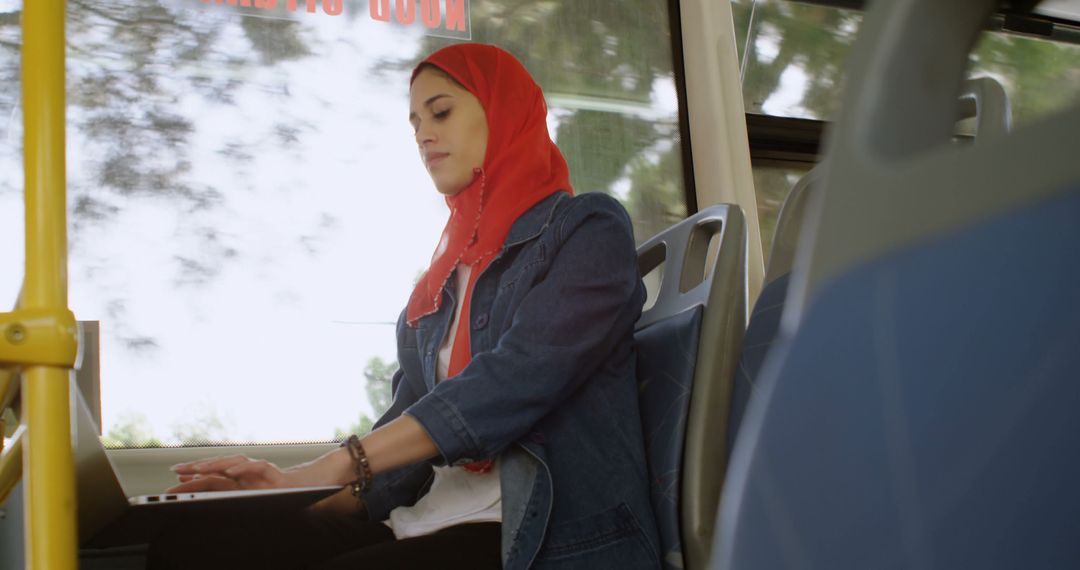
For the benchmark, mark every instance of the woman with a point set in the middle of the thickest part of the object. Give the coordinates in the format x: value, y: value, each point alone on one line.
x: 514, y: 438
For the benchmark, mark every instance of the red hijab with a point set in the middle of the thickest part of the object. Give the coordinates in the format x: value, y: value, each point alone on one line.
x: 522, y: 166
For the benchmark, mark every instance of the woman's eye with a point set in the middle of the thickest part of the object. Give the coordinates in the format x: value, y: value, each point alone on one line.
x: 442, y: 114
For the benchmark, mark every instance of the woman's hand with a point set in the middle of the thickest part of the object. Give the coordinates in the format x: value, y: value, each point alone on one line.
x: 230, y: 473
x: 401, y: 442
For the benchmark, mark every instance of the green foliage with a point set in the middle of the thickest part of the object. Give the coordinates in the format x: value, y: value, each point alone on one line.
x: 591, y: 49
x: 132, y: 430
x: 274, y: 40
x: 656, y: 198
x: 378, y: 378
x: 598, y: 146
x: 1039, y: 76
x: 812, y: 38
x: 206, y: 426
x: 361, y: 427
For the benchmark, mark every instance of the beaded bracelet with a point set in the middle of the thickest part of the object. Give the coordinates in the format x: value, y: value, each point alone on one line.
x: 360, y: 464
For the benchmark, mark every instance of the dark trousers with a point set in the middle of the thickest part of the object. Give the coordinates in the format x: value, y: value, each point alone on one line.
x: 319, y: 541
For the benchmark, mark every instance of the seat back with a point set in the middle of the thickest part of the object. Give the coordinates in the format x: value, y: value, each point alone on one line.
x: 982, y: 99
x: 918, y: 406
x: 789, y: 225
x: 688, y: 346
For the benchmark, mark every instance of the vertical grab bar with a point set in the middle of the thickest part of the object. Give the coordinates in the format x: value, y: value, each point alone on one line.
x: 49, y: 466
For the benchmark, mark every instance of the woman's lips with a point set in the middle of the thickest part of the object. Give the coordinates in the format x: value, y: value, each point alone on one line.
x: 434, y: 158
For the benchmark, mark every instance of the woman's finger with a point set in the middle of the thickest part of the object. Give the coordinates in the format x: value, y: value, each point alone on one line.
x: 256, y: 473
x: 186, y: 467
x: 212, y: 465
x: 211, y: 483
x: 249, y: 468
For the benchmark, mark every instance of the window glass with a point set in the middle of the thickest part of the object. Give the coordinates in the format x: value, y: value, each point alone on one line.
x: 741, y: 14
x: 795, y: 55
x: 794, y: 59
x: 773, y: 182
x: 247, y: 208
x: 1039, y: 76
x: 11, y: 141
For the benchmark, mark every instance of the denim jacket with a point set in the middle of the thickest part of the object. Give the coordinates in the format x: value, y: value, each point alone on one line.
x: 550, y: 391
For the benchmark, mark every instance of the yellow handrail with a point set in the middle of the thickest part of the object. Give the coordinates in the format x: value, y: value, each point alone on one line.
x: 48, y: 466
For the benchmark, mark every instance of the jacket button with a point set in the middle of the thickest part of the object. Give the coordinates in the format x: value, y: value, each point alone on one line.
x: 480, y: 321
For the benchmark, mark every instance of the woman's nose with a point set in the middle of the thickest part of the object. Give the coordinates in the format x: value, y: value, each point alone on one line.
x: 424, y: 134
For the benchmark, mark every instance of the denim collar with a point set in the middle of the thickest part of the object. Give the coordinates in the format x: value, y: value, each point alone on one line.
x: 534, y: 220
x: 528, y: 226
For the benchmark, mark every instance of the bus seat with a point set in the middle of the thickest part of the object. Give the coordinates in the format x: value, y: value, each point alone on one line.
x: 765, y: 316
x: 925, y: 413
x: 687, y: 345
x: 919, y: 404
x: 757, y: 340
x: 788, y: 226
x: 983, y: 99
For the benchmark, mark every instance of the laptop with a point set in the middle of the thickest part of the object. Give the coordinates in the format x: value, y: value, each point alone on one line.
x: 108, y: 517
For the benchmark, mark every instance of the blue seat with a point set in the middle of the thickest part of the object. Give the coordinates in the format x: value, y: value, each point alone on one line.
x: 925, y: 414
x: 687, y: 346
x: 758, y: 339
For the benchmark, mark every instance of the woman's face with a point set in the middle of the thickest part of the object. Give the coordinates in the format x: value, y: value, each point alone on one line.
x: 451, y: 130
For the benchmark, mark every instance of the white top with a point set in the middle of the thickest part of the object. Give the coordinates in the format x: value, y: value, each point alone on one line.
x: 456, y: 495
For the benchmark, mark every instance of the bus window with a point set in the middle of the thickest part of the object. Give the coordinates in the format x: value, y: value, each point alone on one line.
x: 772, y: 183
x: 248, y: 212
x: 1040, y: 76
x: 793, y: 58
x: 11, y: 175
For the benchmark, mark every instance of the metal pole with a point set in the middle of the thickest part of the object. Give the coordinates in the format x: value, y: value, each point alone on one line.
x: 49, y: 467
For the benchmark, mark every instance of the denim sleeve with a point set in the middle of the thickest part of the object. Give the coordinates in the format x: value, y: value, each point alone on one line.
x: 401, y: 486
x: 566, y: 326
